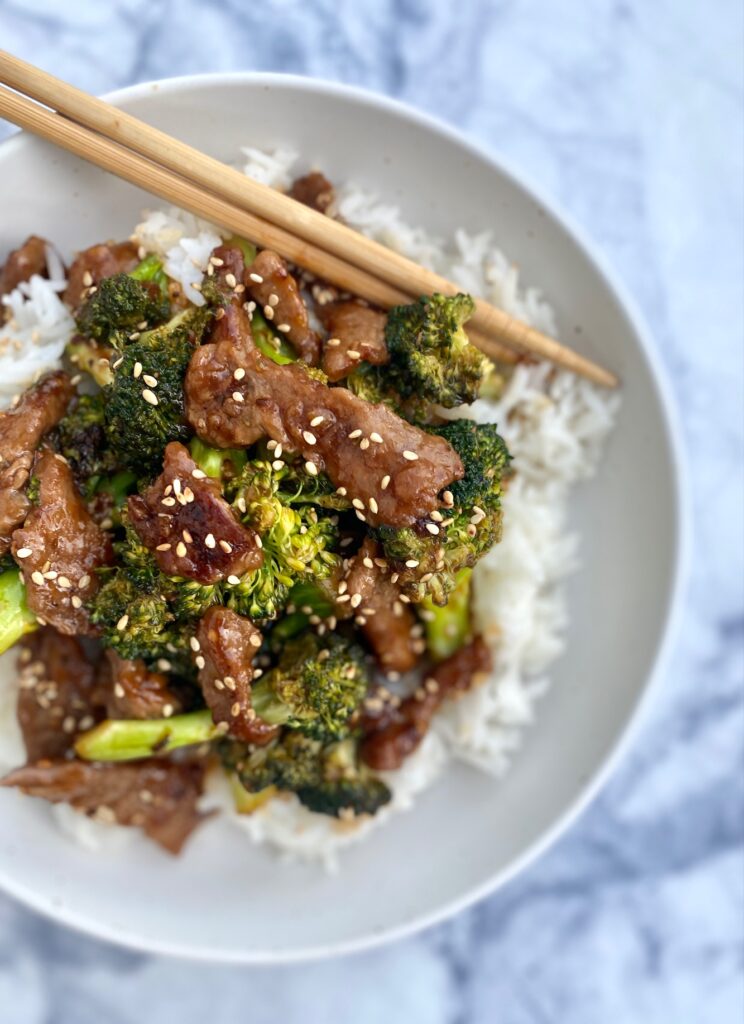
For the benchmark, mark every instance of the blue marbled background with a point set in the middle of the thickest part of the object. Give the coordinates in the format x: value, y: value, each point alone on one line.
x: 630, y: 113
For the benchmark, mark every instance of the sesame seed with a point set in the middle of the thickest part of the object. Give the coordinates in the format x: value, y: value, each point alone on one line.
x: 187, y: 537
x: 284, y: 328
x: 449, y: 498
x: 357, y: 503
x: 149, y: 380
x: 188, y: 495
x: 84, y: 580
x: 169, y: 502
x: 373, y: 506
x: 216, y: 261
x: 333, y: 342
x: 405, y: 599
x: 342, y: 491
x: 177, y: 485
x: 23, y: 552
x: 137, y: 369
x: 364, y: 443
x: 69, y: 724
x: 123, y: 622
x: 254, y: 640
x: 76, y: 602
x: 268, y: 312
x: 237, y: 397
x: 374, y: 436
x: 309, y: 437
x: 257, y: 278
x: 235, y: 709
x: 384, y: 482
x: 50, y: 574
x: 37, y: 578
x: 180, y: 549
x: 150, y: 397
x: 356, y: 600
x: 164, y: 665
x: 433, y: 529
x: 342, y: 598
x: 343, y: 587
x: 168, y: 710
x: 226, y: 546
x: 230, y: 683
x: 411, y: 563
x: 361, y: 516
x: 479, y: 511
x: 436, y: 516
x: 233, y: 580
x: 411, y: 456
x: 230, y: 280
x: 142, y: 325
x: 353, y: 353
x: 194, y: 644
x: 87, y: 278
x: 471, y: 530
x: 64, y: 583
x: 277, y: 464
x: 114, y: 366
x: 199, y: 661
x: 198, y: 474
x: 271, y: 445
x: 354, y: 434
x: 219, y: 314
x: 239, y: 373
x: 273, y: 299
x: 311, y: 468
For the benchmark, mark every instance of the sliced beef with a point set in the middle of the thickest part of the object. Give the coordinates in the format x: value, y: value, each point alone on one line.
x: 272, y: 287
x: 391, y: 469
x: 21, y: 265
x: 396, y: 733
x: 59, y: 549
x: 92, y: 265
x: 368, y: 593
x: 313, y: 190
x: 227, y: 645
x: 56, y: 699
x: 131, y: 690
x: 187, y: 524
x: 158, y: 796
x: 21, y: 430
x: 355, y: 334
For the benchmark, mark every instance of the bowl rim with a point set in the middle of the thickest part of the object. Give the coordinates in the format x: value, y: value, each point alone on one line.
x: 676, y: 586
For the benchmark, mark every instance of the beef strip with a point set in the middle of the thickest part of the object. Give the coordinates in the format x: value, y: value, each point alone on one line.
x: 278, y: 295
x: 187, y: 524
x: 59, y: 549
x: 21, y: 430
x: 29, y: 259
x: 355, y: 334
x: 92, y: 265
x: 131, y: 690
x: 392, y: 469
x: 158, y: 796
x: 227, y: 645
x: 394, y: 734
x: 313, y: 190
x: 387, y: 623
x: 56, y: 699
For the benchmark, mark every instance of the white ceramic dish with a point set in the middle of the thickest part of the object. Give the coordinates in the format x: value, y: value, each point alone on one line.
x: 224, y: 900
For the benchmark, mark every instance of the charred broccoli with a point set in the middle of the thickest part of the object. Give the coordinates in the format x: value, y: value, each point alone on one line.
x: 142, y: 417
x: 471, y: 520
x: 81, y: 437
x: 327, y: 779
x: 120, y: 308
x: 315, y: 688
x: 430, y: 355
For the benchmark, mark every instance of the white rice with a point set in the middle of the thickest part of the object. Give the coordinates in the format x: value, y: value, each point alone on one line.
x: 554, y: 424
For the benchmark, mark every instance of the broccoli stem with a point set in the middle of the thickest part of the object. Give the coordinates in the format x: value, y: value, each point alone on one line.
x: 119, y: 486
x: 151, y: 269
x: 15, y: 617
x: 270, y: 344
x: 90, y: 359
x: 131, y: 739
x: 212, y: 460
x: 303, y: 595
x: 247, y: 248
x: 448, y: 626
x: 246, y: 802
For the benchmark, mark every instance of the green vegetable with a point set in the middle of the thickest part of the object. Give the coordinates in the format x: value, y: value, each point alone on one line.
x: 218, y: 463
x: 15, y: 617
x: 269, y: 343
x: 247, y: 248
x: 81, y: 437
x: 138, y: 430
x: 131, y: 739
x: 91, y: 359
x: 448, y: 626
x: 119, y: 307
x: 430, y: 354
x: 151, y: 269
x: 316, y: 686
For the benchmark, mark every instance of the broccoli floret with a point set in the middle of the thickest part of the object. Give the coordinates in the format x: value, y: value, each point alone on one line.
x: 119, y: 308
x: 90, y: 358
x: 472, y: 519
x: 430, y: 355
x: 81, y: 437
x: 327, y: 779
x: 136, y: 623
x: 15, y: 617
x: 137, y: 429
x: 316, y: 686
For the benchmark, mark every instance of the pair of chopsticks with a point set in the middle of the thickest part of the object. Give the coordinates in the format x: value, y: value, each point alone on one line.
x: 180, y: 174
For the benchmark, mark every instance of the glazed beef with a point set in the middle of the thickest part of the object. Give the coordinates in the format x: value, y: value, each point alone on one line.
x: 393, y: 735
x: 59, y: 549
x: 131, y: 690
x: 158, y: 796
x: 56, y: 699
x: 355, y: 334
x: 388, y: 624
x: 29, y: 259
x: 235, y: 396
x: 227, y: 645
x: 21, y: 431
x: 187, y: 524
x: 313, y: 190
x: 277, y: 294
x: 92, y: 265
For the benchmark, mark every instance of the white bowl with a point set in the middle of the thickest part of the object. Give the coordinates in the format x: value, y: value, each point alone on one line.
x: 226, y: 900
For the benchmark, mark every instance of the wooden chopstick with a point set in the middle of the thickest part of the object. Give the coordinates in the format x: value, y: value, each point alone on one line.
x: 343, y: 245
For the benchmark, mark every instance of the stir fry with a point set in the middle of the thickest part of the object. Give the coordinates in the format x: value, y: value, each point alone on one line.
x: 239, y: 536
